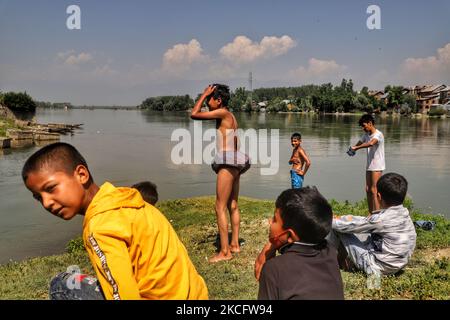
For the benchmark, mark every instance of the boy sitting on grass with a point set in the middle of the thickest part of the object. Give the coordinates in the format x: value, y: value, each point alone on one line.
x: 307, y: 267
x: 383, y: 242
x: 134, y: 250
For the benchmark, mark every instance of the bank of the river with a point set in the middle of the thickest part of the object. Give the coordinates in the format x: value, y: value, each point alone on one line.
x: 426, y: 277
x: 5, y: 124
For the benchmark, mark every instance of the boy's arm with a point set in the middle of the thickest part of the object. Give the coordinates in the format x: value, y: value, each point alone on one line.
x: 111, y: 261
x: 356, y: 224
x: 361, y: 145
x: 268, y: 252
x: 268, y: 284
x: 305, y: 157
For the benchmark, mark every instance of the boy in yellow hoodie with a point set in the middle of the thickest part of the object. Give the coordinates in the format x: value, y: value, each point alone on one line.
x: 134, y: 250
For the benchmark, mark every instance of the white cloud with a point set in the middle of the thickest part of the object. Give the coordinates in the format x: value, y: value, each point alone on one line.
x: 70, y: 58
x: 244, y: 50
x: 180, y: 57
x: 433, y: 68
x: 319, y: 70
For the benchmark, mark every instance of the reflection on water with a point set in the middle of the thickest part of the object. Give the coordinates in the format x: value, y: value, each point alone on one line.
x: 125, y: 147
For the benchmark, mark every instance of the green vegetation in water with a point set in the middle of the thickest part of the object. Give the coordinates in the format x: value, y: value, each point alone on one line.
x: 425, y: 277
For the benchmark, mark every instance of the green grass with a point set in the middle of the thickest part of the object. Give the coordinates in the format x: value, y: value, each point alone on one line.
x: 6, y: 124
x: 425, y: 277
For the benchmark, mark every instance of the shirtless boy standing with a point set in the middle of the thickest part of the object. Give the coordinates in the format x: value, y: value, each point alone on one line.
x: 299, y: 160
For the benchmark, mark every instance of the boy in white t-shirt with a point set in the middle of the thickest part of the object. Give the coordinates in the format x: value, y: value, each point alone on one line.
x: 373, y: 140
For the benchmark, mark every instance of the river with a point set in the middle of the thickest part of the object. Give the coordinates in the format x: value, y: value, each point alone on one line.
x: 128, y: 146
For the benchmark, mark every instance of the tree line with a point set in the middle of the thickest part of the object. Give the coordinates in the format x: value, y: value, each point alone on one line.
x: 18, y: 102
x: 316, y: 98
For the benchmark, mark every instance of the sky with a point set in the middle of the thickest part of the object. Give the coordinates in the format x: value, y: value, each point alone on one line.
x: 126, y: 51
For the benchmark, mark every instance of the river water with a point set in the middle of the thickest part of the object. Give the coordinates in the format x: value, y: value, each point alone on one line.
x: 128, y: 146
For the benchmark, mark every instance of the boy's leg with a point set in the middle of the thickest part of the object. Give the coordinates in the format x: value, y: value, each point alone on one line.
x: 357, y: 249
x: 342, y: 255
x: 225, y: 178
x: 296, y: 181
x: 372, y: 178
x: 235, y: 216
x: 75, y: 286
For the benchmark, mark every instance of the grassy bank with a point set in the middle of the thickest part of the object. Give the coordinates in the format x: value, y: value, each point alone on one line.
x: 426, y: 277
x: 6, y: 124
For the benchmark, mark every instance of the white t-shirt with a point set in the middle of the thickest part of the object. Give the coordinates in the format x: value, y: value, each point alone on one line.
x: 375, y: 153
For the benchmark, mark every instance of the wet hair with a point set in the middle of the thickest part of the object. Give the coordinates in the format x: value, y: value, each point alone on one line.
x: 148, y: 191
x: 306, y: 212
x: 58, y: 156
x: 222, y: 91
x: 392, y: 188
x: 296, y: 135
x: 366, y: 119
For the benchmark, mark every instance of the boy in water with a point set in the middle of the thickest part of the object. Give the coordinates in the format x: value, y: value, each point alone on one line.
x: 134, y: 250
x: 299, y: 160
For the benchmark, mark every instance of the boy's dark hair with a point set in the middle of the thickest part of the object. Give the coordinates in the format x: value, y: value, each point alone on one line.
x: 306, y: 212
x: 366, y: 119
x: 392, y: 188
x: 222, y: 91
x: 296, y: 135
x: 57, y: 156
x: 148, y: 191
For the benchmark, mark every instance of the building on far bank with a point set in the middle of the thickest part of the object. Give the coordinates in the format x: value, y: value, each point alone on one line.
x: 429, y: 95
x: 377, y: 94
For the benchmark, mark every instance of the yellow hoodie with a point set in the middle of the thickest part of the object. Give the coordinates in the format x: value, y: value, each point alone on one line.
x: 135, y: 251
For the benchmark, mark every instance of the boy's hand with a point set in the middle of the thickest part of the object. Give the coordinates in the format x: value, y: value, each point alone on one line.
x: 208, y: 90
x: 300, y: 172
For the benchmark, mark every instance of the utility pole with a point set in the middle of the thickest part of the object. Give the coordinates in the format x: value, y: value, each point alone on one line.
x: 250, y: 86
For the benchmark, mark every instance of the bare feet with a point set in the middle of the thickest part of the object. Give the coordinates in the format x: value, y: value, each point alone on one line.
x: 220, y: 257
x: 235, y: 248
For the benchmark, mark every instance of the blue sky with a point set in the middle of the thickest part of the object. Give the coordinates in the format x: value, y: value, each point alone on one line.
x: 129, y: 50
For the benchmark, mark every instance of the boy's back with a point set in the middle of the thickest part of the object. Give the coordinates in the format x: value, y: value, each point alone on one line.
x: 302, y: 272
x: 392, y: 236
x: 135, y: 251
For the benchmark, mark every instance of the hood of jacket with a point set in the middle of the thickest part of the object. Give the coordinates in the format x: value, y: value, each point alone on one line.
x: 109, y: 198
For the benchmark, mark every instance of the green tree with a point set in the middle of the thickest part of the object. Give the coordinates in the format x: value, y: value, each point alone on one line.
x: 361, y: 102
x: 168, y: 103
x: 395, y: 96
x: 238, y: 99
x: 19, y: 102
x: 410, y: 101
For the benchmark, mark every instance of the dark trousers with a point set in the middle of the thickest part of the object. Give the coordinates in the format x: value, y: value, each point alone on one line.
x: 75, y: 286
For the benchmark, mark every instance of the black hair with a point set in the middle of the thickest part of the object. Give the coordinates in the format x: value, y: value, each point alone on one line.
x: 57, y: 156
x: 222, y: 91
x: 392, y: 188
x: 296, y: 135
x: 306, y: 212
x: 366, y: 119
x: 148, y: 191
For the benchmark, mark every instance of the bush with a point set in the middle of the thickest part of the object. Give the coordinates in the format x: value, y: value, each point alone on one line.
x: 19, y: 102
x: 437, y: 112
